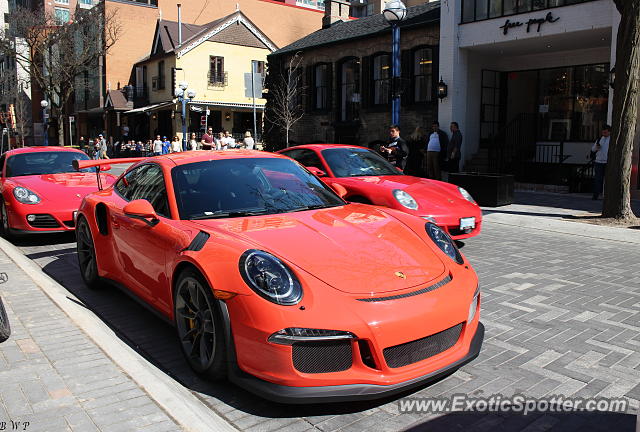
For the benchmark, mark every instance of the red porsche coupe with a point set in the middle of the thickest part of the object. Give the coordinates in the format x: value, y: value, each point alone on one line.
x: 41, y: 190
x: 370, y: 179
x: 273, y: 280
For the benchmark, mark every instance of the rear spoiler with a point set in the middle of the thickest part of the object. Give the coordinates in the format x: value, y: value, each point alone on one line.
x: 98, y: 163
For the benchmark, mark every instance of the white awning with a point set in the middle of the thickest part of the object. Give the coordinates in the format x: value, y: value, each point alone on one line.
x: 227, y: 104
x: 149, y: 108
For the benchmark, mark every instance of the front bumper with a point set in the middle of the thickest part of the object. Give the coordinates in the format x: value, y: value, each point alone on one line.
x: 48, y: 219
x: 348, y: 392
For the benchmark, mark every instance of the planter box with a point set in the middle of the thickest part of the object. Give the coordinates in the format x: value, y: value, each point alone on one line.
x: 490, y: 190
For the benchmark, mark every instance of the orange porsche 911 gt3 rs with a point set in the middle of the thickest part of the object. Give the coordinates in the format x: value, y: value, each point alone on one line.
x: 273, y: 280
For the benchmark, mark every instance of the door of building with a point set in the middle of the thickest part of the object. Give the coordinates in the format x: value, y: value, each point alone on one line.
x: 493, y: 101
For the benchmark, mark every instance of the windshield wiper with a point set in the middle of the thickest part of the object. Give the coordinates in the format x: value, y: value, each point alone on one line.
x: 311, y: 207
x: 223, y: 214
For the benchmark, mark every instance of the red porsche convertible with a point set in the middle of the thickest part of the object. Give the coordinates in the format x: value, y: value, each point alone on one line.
x: 272, y: 279
x: 370, y: 179
x: 41, y: 190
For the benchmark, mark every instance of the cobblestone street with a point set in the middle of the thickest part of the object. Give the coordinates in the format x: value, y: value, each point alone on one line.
x: 561, y: 314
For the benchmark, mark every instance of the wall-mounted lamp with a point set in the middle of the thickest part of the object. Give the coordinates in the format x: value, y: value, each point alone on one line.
x: 612, y: 77
x: 442, y: 89
x: 227, y: 116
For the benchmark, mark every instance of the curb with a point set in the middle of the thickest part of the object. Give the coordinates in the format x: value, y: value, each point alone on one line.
x: 179, y: 403
x: 566, y: 227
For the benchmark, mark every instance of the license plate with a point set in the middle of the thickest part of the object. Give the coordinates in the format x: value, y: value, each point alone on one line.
x: 467, y: 223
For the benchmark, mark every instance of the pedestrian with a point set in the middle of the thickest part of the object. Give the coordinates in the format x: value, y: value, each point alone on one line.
x: 438, y: 141
x: 417, y: 143
x: 176, y: 145
x: 454, y: 148
x: 601, y: 149
x: 193, y: 142
x: 104, y: 148
x: 207, y: 140
x: 220, y: 141
x: 157, y: 146
x: 229, y: 140
x: 139, y: 148
x: 96, y: 148
x: 82, y: 143
x: 248, y: 141
x: 166, y: 145
x: 396, y: 151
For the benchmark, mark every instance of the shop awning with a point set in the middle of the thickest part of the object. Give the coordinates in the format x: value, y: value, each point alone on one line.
x: 149, y: 108
x: 227, y: 104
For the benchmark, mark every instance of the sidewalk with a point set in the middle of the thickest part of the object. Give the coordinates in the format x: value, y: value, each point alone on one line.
x: 556, y: 212
x: 53, y: 377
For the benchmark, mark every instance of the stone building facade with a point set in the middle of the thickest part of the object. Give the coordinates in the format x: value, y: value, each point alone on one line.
x: 345, y: 80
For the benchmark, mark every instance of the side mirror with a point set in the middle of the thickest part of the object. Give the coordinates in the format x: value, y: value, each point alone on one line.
x: 317, y: 171
x: 339, y: 189
x: 142, y: 209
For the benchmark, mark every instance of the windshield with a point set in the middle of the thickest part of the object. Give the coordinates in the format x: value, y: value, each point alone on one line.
x: 247, y: 187
x: 37, y: 163
x: 355, y: 162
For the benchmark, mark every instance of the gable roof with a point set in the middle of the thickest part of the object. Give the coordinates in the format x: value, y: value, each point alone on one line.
x: 363, y: 27
x: 220, y: 30
x: 117, y: 100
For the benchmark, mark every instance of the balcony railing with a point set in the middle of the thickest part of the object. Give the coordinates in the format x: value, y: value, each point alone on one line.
x: 215, y: 80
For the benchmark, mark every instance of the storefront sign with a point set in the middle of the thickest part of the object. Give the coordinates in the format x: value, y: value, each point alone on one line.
x: 532, y: 21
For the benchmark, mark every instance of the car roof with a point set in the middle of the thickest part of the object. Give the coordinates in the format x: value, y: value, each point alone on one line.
x: 182, y: 158
x: 40, y: 149
x: 325, y: 146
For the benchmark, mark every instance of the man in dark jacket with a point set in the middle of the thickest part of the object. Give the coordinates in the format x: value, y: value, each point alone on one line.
x: 397, y: 150
x: 455, y: 146
x: 436, y: 151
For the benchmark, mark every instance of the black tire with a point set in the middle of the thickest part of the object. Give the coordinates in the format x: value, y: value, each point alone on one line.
x: 5, y: 229
x: 5, y: 328
x: 199, y: 325
x: 87, y: 255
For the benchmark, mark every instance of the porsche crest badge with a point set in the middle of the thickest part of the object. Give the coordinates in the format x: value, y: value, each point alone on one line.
x: 400, y: 275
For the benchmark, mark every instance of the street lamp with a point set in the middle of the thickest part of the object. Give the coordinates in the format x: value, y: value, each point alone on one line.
x: 394, y: 12
x: 44, y: 104
x: 183, y: 96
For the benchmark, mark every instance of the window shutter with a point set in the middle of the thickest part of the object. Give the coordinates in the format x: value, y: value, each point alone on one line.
x: 309, y: 88
x: 406, y: 59
x: 330, y: 86
x: 367, y: 81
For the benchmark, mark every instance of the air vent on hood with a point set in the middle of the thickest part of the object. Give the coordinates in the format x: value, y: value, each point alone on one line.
x: 198, y: 242
x: 433, y: 287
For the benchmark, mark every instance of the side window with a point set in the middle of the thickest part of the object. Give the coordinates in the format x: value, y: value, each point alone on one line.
x: 305, y: 157
x: 145, y: 182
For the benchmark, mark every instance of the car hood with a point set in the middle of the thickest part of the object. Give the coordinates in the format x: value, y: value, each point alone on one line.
x: 354, y: 248
x: 53, y: 186
x: 431, y: 195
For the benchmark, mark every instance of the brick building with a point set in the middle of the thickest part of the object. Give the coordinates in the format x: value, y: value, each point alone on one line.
x: 347, y: 85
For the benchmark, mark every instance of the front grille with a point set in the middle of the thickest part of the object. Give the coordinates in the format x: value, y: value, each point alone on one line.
x: 322, y: 357
x: 430, y: 288
x: 420, y: 349
x: 44, y: 221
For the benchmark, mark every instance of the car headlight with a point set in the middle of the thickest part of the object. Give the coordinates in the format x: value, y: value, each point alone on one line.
x: 444, y: 242
x: 466, y: 195
x: 405, y: 199
x: 473, y: 307
x: 270, y: 278
x: 25, y: 196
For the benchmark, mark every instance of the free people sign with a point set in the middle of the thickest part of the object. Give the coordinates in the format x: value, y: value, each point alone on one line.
x: 549, y: 18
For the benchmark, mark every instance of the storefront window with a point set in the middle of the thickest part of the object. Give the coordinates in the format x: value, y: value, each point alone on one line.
x: 423, y: 74
x: 381, y: 79
x: 476, y: 10
x: 572, y: 102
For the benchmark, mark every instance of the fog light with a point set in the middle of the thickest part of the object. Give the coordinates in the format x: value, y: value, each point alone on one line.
x: 31, y: 218
x: 291, y: 335
x: 473, y: 307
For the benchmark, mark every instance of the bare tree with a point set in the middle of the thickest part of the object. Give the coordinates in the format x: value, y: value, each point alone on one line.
x: 22, y: 108
x: 617, y: 197
x: 58, y: 55
x: 285, y: 96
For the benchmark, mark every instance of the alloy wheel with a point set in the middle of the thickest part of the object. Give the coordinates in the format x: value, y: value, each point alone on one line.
x: 195, y: 323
